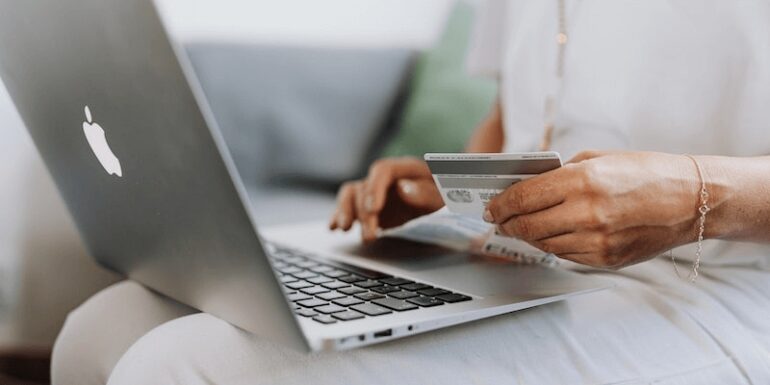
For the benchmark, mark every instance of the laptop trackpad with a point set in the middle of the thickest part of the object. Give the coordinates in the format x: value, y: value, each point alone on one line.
x: 464, y: 272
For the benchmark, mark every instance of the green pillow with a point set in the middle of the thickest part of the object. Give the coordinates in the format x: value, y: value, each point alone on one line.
x: 445, y: 103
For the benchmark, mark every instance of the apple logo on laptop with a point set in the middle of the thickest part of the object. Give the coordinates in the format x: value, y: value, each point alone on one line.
x: 98, y: 142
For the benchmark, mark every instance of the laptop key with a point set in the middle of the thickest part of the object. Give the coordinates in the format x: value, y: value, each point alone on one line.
x: 336, y: 273
x: 367, y: 284
x: 433, y: 292
x: 325, y: 319
x: 371, y: 274
x: 298, y: 285
x: 403, y: 294
x: 321, y: 269
x: 368, y: 296
x: 370, y: 309
x: 314, y: 290
x: 298, y: 297
x: 335, y: 285
x: 351, y: 278
x: 351, y: 290
x: 416, y: 286
x: 288, y: 279
x: 348, y: 315
x: 395, y: 304
x: 394, y: 281
x: 330, y: 295
x: 384, y: 289
x: 313, y: 302
x: 293, y: 258
x: 347, y: 301
x: 306, y: 312
x: 289, y: 270
x: 305, y: 274
x: 320, y: 279
x: 307, y: 264
x: 328, y: 309
x: 453, y: 297
x: 425, y: 301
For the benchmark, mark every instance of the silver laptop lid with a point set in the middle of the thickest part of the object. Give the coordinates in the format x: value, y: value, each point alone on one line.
x: 151, y: 188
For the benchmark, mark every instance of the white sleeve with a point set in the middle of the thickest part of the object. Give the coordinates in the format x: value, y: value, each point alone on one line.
x: 485, y: 52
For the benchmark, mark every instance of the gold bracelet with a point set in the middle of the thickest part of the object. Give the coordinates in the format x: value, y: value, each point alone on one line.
x: 702, y: 210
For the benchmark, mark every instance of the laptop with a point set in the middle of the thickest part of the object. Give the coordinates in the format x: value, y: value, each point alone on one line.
x: 124, y: 130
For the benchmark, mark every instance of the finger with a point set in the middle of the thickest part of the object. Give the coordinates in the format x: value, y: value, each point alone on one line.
x: 368, y: 222
x: 420, y: 193
x: 531, y: 195
x: 345, y: 213
x: 383, y: 174
x: 542, y: 224
x: 572, y: 243
x: 587, y: 259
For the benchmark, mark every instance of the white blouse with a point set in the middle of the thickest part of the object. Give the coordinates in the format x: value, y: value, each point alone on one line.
x: 676, y: 76
x: 679, y: 76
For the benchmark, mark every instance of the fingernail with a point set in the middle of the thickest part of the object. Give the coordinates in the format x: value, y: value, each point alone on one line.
x: 341, y: 220
x: 369, y: 203
x: 488, y: 216
x: 408, y: 187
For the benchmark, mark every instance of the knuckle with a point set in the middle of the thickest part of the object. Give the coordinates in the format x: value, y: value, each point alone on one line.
x: 503, y: 229
x: 514, y: 200
x: 595, y: 218
x: 589, y: 179
x: 603, y: 256
x: 588, y: 174
x: 588, y: 154
x: 346, y: 188
x: 522, y: 228
x: 379, y: 167
x: 604, y: 247
x: 494, y: 206
x: 546, y: 247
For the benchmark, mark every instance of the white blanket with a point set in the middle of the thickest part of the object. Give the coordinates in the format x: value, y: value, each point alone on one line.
x: 652, y: 328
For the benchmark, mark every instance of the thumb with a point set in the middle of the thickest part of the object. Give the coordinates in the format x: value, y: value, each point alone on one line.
x: 420, y: 193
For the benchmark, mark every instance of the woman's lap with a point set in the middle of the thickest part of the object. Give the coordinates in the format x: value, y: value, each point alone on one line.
x: 652, y: 326
x: 97, y: 334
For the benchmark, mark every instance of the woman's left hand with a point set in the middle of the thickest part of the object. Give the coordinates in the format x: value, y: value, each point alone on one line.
x: 604, y: 209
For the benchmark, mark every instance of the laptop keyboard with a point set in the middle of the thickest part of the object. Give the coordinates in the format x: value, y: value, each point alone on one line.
x: 331, y: 292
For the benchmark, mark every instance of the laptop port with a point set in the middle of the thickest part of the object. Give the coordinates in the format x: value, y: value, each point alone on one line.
x: 383, y: 333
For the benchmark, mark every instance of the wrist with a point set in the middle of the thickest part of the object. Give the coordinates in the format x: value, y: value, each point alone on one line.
x: 725, y: 187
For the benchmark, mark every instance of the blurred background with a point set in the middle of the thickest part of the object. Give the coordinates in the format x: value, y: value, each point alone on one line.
x: 334, y: 83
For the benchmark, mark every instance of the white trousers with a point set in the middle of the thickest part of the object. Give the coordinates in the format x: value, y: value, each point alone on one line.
x: 651, y: 328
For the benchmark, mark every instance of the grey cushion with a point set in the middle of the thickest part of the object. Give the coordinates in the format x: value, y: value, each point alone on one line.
x: 310, y: 114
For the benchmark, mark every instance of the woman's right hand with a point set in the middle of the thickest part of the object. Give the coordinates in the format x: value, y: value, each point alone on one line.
x: 395, y: 191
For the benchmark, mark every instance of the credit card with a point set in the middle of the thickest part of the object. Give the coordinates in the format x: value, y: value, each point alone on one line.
x: 469, y: 181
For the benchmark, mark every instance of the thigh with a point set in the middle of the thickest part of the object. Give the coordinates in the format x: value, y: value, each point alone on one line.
x: 628, y: 334
x: 100, y: 331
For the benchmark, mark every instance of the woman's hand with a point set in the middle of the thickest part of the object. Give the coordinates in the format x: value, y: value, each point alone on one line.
x: 605, y: 209
x: 395, y: 191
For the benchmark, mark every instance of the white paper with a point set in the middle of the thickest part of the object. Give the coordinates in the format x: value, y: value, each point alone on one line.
x: 465, y: 233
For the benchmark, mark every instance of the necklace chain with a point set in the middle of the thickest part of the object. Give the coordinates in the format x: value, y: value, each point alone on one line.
x: 551, y: 99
